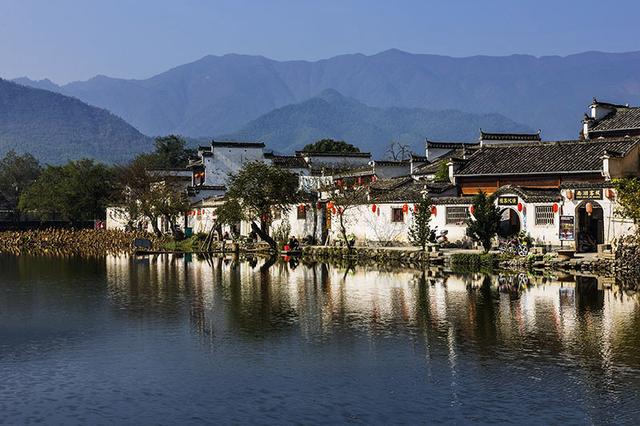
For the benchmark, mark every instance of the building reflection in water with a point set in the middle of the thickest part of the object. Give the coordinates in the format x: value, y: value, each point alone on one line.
x: 438, y: 312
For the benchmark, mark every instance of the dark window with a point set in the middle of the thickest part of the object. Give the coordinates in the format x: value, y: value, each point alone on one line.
x: 456, y: 215
x: 302, y: 211
x: 397, y: 215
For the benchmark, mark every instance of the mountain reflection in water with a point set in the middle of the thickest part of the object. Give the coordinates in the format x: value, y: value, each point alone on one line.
x: 168, y: 339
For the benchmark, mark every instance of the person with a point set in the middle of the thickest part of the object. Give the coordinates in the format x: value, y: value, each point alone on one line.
x: 294, y: 244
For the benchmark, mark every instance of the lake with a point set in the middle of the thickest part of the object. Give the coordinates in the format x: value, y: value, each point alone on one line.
x: 181, y: 340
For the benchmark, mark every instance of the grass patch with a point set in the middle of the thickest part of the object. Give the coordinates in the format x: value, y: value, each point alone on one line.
x: 186, y: 245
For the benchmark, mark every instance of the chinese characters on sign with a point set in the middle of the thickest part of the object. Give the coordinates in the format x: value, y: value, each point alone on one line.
x: 589, y: 194
x: 507, y: 201
x: 567, y: 228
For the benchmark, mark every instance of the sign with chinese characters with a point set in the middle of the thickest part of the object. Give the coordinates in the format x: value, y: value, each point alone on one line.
x: 567, y: 228
x: 588, y: 194
x: 507, y: 201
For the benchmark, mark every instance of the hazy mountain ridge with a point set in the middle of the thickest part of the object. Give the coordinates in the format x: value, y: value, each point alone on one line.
x: 56, y: 128
x: 332, y: 115
x: 218, y: 94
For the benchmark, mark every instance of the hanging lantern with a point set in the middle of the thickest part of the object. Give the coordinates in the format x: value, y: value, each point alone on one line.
x: 569, y: 195
x: 416, y: 208
x: 318, y: 205
x: 434, y: 211
x: 555, y: 207
x: 359, y: 180
x: 330, y: 205
x: 610, y: 194
x: 589, y: 208
x: 472, y: 209
x: 374, y: 208
x: 334, y: 210
x: 520, y: 206
x: 405, y: 208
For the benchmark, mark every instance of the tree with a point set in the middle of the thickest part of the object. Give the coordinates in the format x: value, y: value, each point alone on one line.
x: 342, y: 202
x: 151, y: 197
x: 628, y: 190
x: 259, y: 189
x: 442, y: 172
x: 17, y: 172
x: 170, y: 153
x: 484, y: 226
x: 419, y: 231
x: 330, y: 145
x: 398, y: 152
x: 79, y: 190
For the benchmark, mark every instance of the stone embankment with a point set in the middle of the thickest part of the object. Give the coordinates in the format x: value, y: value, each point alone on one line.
x: 627, y: 262
x: 397, y: 256
x: 86, y: 242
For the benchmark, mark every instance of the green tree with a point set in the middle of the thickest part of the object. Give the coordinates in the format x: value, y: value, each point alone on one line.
x: 628, y: 190
x: 442, y: 172
x: 484, y: 226
x: 170, y: 152
x: 419, y: 231
x: 330, y: 145
x: 17, y: 172
x: 259, y: 189
x: 79, y: 190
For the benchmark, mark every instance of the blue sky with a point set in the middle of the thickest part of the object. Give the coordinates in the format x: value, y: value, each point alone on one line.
x: 68, y: 40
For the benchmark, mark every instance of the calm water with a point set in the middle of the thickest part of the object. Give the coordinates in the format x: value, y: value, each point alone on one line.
x: 170, y: 340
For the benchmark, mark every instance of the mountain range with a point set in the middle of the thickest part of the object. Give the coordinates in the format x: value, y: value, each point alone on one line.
x: 56, y: 128
x: 220, y: 94
x: 332, y: 115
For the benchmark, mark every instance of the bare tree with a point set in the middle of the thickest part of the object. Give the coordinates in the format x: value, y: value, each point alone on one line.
x: 398, y: 152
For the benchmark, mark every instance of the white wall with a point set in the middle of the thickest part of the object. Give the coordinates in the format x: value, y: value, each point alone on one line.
x: 226, y: 160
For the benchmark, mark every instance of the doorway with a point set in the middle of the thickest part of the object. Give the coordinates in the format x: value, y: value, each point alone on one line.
x: 590, y: 227
x: 509, y: 223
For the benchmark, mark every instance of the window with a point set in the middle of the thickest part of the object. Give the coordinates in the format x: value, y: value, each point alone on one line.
x: 457, y: 215
x: 544, y: 215
x: 302, y: 211
x: 397, y: 215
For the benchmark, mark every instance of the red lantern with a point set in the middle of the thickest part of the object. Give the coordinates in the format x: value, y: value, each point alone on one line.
x: 555, y: 207
x: 472, y: 209
x: 330, y: 205
x: 610, y: 194
x: 589, y: 208
x: 416, y: 208
x: 405, y: 208
x: 520, y: 206
x: 334, y: 210
x: 569, y: 195
x: 359, y: 181
x: 374, y: 208
x: 318, y: 205
x: 434, y: 211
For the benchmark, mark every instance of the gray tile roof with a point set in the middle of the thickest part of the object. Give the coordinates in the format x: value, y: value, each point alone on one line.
x: 544, y: 158
x: 487, y: 136
x: 621, y: 118
x: 404, y: 189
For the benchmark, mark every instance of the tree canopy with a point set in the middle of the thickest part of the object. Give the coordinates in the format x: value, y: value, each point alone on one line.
x: 17, y: 172
x: 260, y: 188
x: 483, y: 227
x: 419, y: 231
x: 78, y: 190
x: 170, y: 152
x: 330, y: 145
x: 629, y: 197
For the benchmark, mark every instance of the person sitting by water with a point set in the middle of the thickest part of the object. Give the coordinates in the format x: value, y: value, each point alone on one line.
x: 294, y: 244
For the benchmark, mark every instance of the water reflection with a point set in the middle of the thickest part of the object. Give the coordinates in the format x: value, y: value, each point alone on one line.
x: 180, y: 339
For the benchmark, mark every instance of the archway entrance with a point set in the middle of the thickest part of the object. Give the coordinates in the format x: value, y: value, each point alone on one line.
x: 590, y: 227
x: 509, y: 223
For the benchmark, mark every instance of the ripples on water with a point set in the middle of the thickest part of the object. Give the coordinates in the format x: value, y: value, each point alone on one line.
x: 175, y: 340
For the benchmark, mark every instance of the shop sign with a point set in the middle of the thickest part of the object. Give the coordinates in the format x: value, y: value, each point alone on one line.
x: 508, y: 201
x: 588, y: 194
x: 567, y: 228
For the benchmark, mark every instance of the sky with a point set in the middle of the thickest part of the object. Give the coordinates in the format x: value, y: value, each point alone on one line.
x: 68, y: 40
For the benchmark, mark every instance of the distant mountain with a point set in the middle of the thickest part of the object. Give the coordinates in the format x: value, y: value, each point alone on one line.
x: 218, y: 94
x: 332, y: 115
x: 56, y: 128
